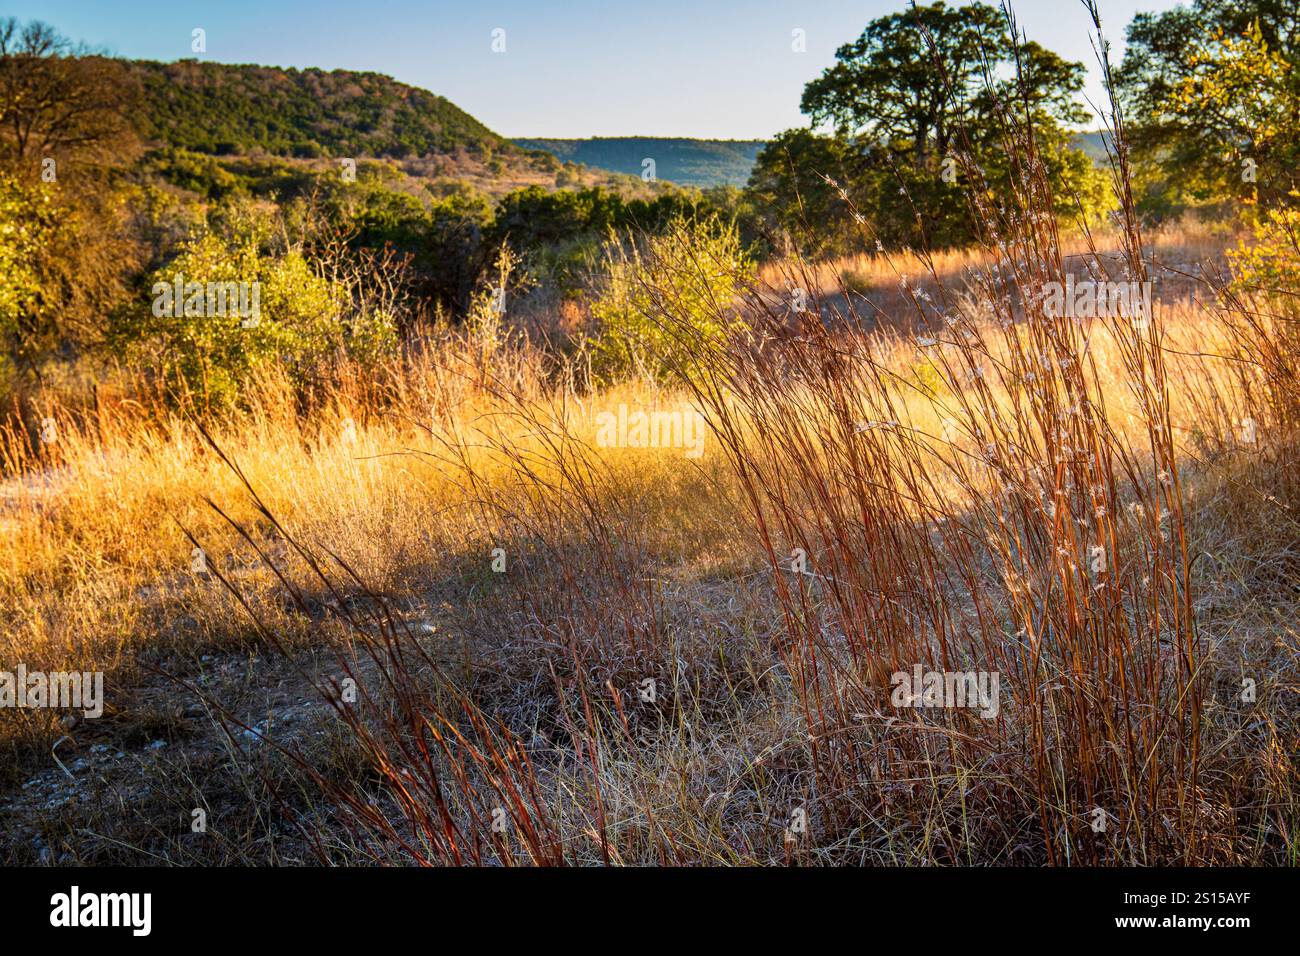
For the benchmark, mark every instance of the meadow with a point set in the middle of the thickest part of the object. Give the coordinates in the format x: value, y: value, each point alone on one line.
x: 675, y: 531
x: 561, y: 652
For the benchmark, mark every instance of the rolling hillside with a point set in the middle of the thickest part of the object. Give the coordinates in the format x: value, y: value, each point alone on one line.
x: 271, y: 125
x: 237, y: 109
x: 1093, y: 144
x: 224, y: 109
x: 690, y: 162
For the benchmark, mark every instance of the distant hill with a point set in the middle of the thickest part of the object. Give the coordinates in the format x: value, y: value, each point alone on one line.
x: 229, y: 109
x: 689, y: 162
x: 243, y: 110
x: 268, y: 123
x: 1092, y: 144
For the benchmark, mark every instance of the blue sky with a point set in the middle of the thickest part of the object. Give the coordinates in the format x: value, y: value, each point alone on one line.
x: 571, y: 68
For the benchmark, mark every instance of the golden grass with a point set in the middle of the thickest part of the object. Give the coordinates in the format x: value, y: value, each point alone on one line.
x: 643, y: 561
x: 1184, y: 242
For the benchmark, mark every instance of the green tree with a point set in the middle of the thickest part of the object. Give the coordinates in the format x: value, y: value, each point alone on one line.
x: 27, y: 223
x: 920, y: 81
x: 921, y: 110
x: 456, y: 249
x: 797, y: 179
x: 1212, y: 97
x: 65, y: 142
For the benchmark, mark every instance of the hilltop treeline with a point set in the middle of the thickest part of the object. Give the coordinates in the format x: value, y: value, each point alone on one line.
x: 218, y: 108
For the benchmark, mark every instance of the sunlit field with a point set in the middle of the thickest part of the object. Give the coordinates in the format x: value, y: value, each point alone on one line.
x: 643, y: 677
x: 704, y: 532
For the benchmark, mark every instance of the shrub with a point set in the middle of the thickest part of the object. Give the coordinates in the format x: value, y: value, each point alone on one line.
x: 692, y: 269
x: 26, y: 221
x: 856, y: 281
x: 1264, y: 300
x: 1269, y: 266
x: 207, y: 353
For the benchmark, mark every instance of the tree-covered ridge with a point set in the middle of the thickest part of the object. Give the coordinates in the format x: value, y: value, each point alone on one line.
x: 691, y: 162
x: 223, y: 108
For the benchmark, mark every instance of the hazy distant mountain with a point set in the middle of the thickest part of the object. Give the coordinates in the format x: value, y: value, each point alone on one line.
x: 1093, y: 144
x: 690, y: 162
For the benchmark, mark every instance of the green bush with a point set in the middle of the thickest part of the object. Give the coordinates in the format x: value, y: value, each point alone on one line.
x: 665, y: 296
x: 26, y: 224
x: 206, y: 348
x: 1266, y: 317
x: 1268, y: 267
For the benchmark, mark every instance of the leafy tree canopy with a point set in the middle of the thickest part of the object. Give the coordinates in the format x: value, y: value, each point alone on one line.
x: 913, y: 79
x: 1212, y: 95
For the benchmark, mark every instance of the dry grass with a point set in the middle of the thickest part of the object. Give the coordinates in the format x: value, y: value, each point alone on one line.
x: 689, y: 659
x: 878, y: 289
x: 520, y: 692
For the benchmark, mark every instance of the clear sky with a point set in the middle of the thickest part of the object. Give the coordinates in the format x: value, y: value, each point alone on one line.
x: 571, y: 68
